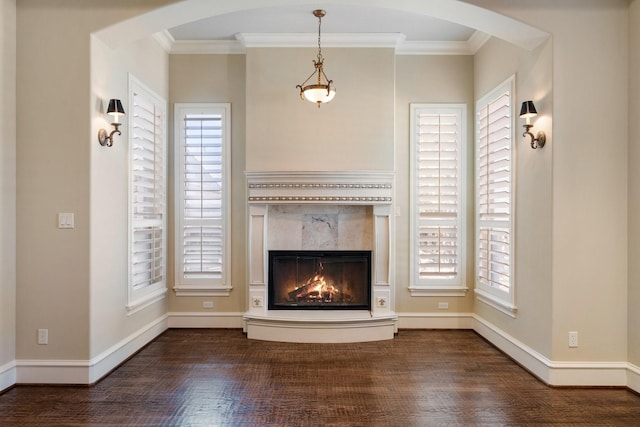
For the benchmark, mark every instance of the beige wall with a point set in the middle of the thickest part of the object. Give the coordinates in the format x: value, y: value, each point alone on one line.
x: 353, y: 132
x: 216, y: 78
x: 589, y: 170
x: 7, y: 187
x: 110, y: 69
x: 429, y: 79
x: 633, y: 301
x: 56, y: 139
x: 575, y: 196
x: 494, y: 63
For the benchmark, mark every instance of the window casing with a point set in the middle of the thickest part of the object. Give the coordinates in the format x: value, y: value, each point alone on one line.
x: 147, y: 192
x: 202, y: 165
x: 438, y: 214
x: 495, y: 175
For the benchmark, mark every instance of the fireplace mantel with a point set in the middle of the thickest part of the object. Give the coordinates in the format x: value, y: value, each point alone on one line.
x: 350, y: 188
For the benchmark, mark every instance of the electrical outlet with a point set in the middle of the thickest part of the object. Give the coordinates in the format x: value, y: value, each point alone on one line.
x: 443, y: 305
x: 573, y: 339
x: 43, y: 336
x: 207, y: 304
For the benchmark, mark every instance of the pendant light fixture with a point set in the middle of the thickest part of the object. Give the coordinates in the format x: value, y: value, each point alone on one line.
x: 320, y: 90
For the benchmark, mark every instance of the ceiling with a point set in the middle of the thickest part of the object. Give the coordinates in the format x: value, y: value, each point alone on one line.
x: 340, y: 19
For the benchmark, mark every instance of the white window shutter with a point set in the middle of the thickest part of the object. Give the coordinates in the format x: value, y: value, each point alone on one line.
x: 437, y: 232
x: 147, y: 162
x: 494, y: 198
x: 202, y: 168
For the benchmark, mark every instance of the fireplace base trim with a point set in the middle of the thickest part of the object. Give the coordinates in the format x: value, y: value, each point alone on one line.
x: 320, y: 327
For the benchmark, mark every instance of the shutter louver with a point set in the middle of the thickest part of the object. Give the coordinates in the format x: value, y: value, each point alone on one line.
x: 147, y: 192
x: 438, y: 195
x: 494, y: 157
x: 202, y: 192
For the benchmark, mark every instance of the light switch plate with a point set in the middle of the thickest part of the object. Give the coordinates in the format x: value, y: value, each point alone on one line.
x: 66, y: 220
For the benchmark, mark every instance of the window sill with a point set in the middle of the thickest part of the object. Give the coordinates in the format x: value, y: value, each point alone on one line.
x: 501, y: 305
x: 443, y: 291
x: 144, y: 302
x: 187, y: 291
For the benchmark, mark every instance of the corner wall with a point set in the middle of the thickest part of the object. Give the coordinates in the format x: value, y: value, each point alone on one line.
x: 7, y: 193
x: 633, y: 299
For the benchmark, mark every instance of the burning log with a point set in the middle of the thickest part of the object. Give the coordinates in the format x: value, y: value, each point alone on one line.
x: 314, y: 284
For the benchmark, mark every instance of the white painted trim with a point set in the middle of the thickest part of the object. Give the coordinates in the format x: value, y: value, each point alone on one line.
x: 468, y: 15
x: 425, y: 291
x: 554, y: 373
x: 228, y: 320
x: 633, y: 377
x: 164, y: 39
x: 379, y: 40
x: 435, y: 320
x: 7, y: 375
x: 88, y: 371
x: 225, y: 47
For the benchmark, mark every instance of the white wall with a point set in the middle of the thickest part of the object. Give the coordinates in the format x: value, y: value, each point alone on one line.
x: 7, y: 192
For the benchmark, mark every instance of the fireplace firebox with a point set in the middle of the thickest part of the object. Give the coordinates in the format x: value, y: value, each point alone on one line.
x: 309, y: 280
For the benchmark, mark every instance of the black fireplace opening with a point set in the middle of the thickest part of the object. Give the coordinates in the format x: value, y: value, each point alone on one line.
x: 316, y: 280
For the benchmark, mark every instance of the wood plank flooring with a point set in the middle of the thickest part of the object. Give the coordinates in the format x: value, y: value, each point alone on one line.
x: 213, y: 377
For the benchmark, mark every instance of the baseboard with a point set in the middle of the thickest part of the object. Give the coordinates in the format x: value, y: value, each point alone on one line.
x: 88, y: 371
x: 7, y: 375
x: 633, y: 377
x: 223, y: 320
x: 435, y: 320
x: 591, y: 374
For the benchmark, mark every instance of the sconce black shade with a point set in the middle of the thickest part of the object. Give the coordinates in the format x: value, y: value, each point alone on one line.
x: 115, y: 107
x: 528, y: 110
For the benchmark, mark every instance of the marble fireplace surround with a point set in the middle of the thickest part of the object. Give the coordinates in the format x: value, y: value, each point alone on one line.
x: 319, y: 211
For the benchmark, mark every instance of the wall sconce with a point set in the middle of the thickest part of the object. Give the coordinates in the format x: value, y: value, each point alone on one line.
x: 115, y: 109
x: 527, y: 111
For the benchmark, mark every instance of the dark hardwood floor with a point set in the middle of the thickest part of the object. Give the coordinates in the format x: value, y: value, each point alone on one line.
x: 212, y: 377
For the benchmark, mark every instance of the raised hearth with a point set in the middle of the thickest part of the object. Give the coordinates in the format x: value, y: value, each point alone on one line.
x: 319, y: 213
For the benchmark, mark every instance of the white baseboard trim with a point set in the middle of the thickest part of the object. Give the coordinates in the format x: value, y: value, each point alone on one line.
x: 609, y: 374
x: 633, y: 377
x: 223, y: 320
x: 88, y: 371
x: 7, y: 375
x: 435, y: 320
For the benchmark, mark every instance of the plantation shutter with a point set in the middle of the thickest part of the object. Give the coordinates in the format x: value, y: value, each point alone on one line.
x: 148, y: 207
x: 494, y: 193
x: 202, y: 169
x: 437, y: 163
x: 202, y: 231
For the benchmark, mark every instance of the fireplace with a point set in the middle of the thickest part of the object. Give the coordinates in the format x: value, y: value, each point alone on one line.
x: 319, y: 280
x: 303, y: 225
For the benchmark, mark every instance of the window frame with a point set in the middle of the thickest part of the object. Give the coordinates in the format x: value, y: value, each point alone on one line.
x: 501, y: 300
x: 438, y: 286
x: 202, y: 286
x: 137, y: 299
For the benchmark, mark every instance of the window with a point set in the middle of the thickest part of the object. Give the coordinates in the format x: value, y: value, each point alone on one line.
x: 147, y: 190
x: 438, y: 147
x: 202, y: 166
x: 494, y: 198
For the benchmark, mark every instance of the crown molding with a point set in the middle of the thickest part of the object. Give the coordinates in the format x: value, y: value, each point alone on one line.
x: 395, y: 41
